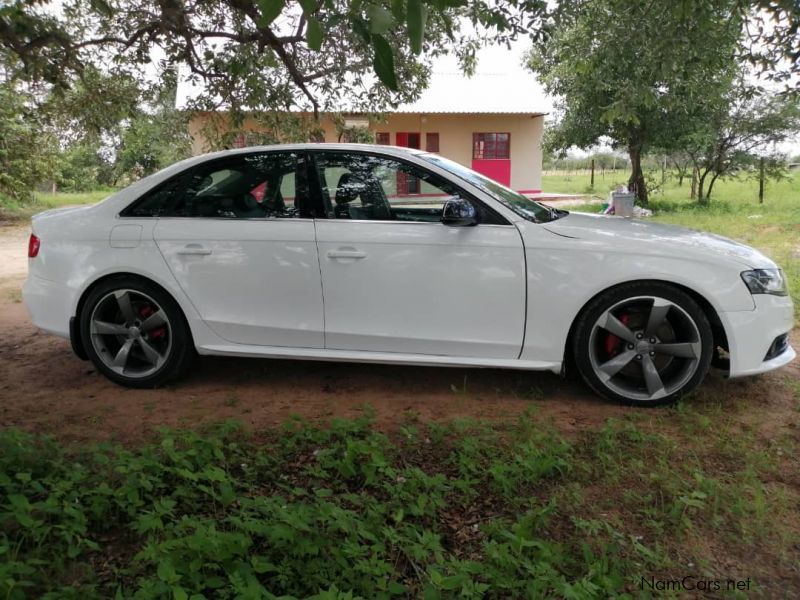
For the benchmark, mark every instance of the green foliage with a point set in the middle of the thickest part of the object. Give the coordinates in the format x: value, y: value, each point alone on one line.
x: 338, y: 512
x: 27, y: 150
x: 637, y: 73
x: 81, y: 167
x: 263, y: 56
x: 439, y: 511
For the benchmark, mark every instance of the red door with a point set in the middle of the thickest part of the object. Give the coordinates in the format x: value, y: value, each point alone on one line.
x: 407, y: 184
x: 491, y: 155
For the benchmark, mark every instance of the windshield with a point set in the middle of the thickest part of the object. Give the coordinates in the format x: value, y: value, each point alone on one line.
x: 522, y: 205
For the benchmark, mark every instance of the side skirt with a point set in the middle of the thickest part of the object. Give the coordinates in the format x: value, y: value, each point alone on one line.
x: 387, y: 358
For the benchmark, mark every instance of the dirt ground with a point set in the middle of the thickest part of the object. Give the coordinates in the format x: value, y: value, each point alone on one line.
x: 44, y: 388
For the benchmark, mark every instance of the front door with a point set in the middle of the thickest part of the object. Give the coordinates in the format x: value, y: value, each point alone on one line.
x: 407, y: 184
x: 395, y: 279
x: 239, y: 238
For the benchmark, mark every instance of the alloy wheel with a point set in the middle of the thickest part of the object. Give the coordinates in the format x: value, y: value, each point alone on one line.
x: 130, y: 333
x: 645, y: 348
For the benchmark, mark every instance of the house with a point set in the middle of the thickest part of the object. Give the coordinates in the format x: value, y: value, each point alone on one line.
x: 491, y: 122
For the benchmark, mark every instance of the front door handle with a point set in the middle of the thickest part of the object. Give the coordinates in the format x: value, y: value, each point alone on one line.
x: 342, y: 253
x: 194, y: 249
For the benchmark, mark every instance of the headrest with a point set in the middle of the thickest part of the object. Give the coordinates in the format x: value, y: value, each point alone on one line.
x: 349, y: 188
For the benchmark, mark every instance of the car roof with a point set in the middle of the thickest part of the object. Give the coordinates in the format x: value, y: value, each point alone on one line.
x: 381, y: 148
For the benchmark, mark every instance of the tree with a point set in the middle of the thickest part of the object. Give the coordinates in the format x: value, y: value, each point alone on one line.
x: 262, y: 55
x: 682, y: 163
x: 638, y: 73
x: 27, y: 149
x: 751, y: 122
x: 155, y: 136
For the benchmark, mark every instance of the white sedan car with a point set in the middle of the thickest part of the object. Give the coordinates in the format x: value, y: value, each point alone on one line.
x: 388, y: 255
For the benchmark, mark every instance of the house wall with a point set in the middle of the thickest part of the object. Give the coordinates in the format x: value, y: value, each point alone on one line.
x: 455, y: 138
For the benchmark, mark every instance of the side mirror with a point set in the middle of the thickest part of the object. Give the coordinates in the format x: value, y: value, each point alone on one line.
x: 459, y: 213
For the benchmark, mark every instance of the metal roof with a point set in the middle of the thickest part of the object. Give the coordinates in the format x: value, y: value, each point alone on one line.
x: 500, y: 85
x: 512, y: 92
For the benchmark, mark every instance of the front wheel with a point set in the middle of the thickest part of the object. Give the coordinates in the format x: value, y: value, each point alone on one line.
x: 134, y: 333
x: 643, y: 344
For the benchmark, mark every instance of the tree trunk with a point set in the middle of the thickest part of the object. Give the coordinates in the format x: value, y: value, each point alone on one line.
x: 693, y: 191
x: 701, y: 182
x: 636, y: 181
x: 711, y: 186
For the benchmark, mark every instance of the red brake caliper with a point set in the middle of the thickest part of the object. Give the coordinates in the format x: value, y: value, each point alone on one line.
x: 144, y: 312
x: 614, y: 344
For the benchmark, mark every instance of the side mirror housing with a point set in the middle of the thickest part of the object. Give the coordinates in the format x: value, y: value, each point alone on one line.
x: 458, y: 212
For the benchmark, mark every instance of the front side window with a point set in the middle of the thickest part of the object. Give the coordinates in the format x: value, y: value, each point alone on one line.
x: 522, y: 205
x: 250, y: 186
x: 367, y: 187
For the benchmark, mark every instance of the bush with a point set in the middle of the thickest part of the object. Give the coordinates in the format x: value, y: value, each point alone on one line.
x: 342, y: 512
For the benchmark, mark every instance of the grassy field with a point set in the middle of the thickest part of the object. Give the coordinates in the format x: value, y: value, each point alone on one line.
x: 45, y: 201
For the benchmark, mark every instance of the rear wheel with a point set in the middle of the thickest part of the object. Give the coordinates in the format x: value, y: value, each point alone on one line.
x: 135, y: 333
x: 644, y: 344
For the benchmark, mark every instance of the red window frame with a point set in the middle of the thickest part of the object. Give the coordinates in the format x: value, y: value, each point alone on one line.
x: 491, y: 146
x: 383, y: 138
x: 432, y: 142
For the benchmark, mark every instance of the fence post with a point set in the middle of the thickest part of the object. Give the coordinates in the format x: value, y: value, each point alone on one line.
x: 761, y: 180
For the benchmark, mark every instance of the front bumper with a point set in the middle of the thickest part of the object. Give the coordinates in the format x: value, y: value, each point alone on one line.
x: 752, y: 332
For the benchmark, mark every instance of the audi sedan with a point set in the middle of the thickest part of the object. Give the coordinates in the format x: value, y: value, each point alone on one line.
x: 388, y: 255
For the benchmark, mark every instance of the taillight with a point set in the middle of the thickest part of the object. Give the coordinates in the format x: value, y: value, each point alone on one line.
x: 34, y: 243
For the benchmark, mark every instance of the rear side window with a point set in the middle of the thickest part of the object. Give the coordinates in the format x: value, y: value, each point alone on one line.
x: 250, y: 186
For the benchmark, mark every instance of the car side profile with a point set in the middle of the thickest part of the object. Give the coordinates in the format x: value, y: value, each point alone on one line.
x: 379, y: 254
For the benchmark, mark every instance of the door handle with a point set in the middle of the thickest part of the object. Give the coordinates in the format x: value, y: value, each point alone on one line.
x: 194, y: 249
x: 346, y: 254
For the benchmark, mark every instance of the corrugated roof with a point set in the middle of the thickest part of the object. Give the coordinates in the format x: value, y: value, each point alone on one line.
x: 500, y: 85
x: 513, y: 92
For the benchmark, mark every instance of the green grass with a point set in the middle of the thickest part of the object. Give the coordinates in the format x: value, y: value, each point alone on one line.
x: 60, y: 199
x: 44, y: 201
x: 734, y: 211
x: 436, y: 511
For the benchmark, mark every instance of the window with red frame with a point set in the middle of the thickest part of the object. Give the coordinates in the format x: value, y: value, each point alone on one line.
x: 382, y: 138
x: 245, y: 140
x: 491, y: 146
x: 432, y: 142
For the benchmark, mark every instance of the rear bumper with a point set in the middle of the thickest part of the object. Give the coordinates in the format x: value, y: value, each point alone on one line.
x: 48, y: 304
x: 751, y: 333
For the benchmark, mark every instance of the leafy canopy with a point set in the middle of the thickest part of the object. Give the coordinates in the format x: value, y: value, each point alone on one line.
x: 261, y: 54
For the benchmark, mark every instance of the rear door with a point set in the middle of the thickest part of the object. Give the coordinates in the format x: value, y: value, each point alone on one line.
x: 238, y: 235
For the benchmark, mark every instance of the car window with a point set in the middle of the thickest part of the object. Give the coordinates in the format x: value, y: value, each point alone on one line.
x: 520, y: 204
x: 377, y: 188
x: 250, y: 186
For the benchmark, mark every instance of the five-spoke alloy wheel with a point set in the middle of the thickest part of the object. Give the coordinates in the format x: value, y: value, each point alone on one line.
x: 643, y: 343
x: 134, y: 333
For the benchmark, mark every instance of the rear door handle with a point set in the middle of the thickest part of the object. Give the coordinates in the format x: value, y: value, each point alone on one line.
x: 346, y: 254
x: 195, y: 249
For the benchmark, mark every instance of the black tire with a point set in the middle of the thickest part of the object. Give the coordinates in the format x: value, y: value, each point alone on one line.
x: 594, y: 346
x: 176, y: 352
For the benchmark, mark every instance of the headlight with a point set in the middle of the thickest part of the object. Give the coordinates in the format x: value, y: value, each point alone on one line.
x: 766, y: 281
